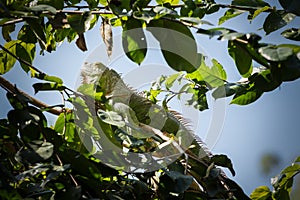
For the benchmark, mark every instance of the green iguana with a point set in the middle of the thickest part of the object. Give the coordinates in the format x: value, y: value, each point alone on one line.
x: 133, y: 134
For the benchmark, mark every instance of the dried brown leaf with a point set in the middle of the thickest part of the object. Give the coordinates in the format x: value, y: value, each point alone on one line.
x: 80, y: 42
x: 106, y: 34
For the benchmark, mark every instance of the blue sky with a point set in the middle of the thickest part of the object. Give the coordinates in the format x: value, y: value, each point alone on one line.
x: 270, y: 125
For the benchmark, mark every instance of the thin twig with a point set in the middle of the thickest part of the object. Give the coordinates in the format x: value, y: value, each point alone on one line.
x: 14, y: 21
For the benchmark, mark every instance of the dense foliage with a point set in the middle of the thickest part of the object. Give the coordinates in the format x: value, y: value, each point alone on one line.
x: 38, y: 161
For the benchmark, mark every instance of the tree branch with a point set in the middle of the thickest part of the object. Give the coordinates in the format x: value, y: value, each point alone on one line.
x: 12, y: 89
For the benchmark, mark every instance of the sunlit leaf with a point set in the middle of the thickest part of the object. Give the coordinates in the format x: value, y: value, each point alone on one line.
x: 261, y: 193
x: 8, y: 61
x: 229, y: 14
x: 276, y: 54
x: 172, y: 2
x: 292, y: 34
x: 257, y: 12
x: 170, y: 80
x: 246, y: 97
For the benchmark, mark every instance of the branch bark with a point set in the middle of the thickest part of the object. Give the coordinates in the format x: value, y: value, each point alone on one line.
x: 12, y: 89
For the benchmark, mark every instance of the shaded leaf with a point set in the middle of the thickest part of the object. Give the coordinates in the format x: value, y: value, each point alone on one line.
x: 223, y: 161
x: 292, y: 34
x: 292, y: 6
x: 174, y: 181
x: 47, y: 86
x: 134, y: 40
x: 25, y: 51
x: 7, y: 30
x: 177, y: 44
x: 250, y: 3
x: 80, y: 42
x: 241, y: 57
x: 80, y: 23
x: 39, y: 31
x: 277, y: 20
x: 226, y: 90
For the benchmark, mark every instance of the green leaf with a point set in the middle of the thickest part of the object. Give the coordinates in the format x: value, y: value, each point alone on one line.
x: 25, y: 51
x: 257, y: 12
x: 47, y: 86
x: 229, y: 14
x: 223, y: 161
x: 111, y: 117
x: 38, y: 151
x: 261, y: 193
x: 292, y: 34
x: 250, y: 3
x: 264, y: 81
x: 214, y: 76
x: 58, y: 4
x: 173, y: 181
x: 39, y: 31
x: 214, y: 31
x: 246, y: 96
x: 80, y: 23
x: 27, y: 35
x: 172, y: 2
x: 134, y: 40
x: 6, y: 59
x: 277, y: 20
x: 42, y: 8
x: 275, y: 53
x: 226, y: 90
x: 7, y: 30
x: 292, y: 6
x: 170, y: 80
x: 241, y: 57
x: 146, y: 16
x: 162, y: 11
x: 177, y: 44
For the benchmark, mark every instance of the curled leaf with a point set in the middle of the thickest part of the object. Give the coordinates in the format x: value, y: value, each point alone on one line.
x: 106, y: 34
x: 80, y: 42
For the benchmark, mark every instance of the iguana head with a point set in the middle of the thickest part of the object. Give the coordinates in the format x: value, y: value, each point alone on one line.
x: 101, y: 76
